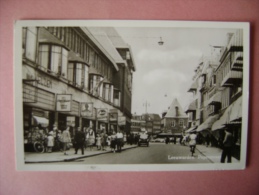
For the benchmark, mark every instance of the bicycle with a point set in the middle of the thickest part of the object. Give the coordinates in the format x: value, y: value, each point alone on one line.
x: 39, y: 146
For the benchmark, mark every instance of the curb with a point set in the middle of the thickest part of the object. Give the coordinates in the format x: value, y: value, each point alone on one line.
x: 75, y: 158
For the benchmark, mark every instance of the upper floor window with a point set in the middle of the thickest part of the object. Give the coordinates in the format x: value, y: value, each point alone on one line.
x: 181, y: 123
x: 29, y: 42
x: 78, y: 74
x: 108, y: 92
x: 116, y: 97
x: 53, y: 59
x: 95, y: 84
x: 173, y: 123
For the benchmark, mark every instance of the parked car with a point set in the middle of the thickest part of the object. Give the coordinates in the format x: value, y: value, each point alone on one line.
x: 143, y: 140
x: 160, y: 140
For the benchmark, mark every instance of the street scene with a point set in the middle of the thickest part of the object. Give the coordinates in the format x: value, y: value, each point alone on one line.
x: 131, y: 95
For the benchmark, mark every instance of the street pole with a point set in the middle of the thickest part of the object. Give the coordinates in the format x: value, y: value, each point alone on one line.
x: 146, y: 104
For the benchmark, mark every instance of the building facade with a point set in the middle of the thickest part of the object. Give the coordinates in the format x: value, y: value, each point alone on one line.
x: 74, y: 77
x: 174, y: 120
x: 219, y: 92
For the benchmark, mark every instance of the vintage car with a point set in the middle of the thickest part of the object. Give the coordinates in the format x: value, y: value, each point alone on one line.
x: 143, y: 139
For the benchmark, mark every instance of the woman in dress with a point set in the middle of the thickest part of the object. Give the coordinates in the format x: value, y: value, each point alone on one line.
x: 65, y: 139
x: 90, y: 137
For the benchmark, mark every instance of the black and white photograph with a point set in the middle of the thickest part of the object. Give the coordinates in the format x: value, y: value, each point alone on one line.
x: 107, y: 95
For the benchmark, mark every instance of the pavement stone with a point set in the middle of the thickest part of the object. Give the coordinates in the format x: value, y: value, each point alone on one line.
x: 33, y: 157
x: 212, y: 153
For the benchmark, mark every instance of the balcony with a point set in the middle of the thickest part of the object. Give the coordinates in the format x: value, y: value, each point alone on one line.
x: 237, y: 61
x: 233, y: 77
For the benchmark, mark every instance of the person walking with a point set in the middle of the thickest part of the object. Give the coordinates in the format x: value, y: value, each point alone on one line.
x: 113, y: 141
x: 66, y: 139
x: 79, y: 140
x: 90, y: 136
x: 192, y: 141
x: 103, y: 140
x: 119, y: 140
x: 227, y: 146
x: 98, y: 142
x: 50, y: 142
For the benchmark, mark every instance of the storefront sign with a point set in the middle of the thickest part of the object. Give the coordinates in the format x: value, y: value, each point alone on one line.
x: 102, y: 112
x: 122, y: 120
x: 113, y: 117
x: 64, y: 102
x: 44, y: 81
x: 87, y: 109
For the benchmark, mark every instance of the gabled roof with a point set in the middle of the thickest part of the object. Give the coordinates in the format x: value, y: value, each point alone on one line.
x: 175, y: 110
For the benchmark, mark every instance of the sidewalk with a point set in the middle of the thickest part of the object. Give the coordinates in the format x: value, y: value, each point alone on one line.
x: 33, y: 157
x: 212, y: 153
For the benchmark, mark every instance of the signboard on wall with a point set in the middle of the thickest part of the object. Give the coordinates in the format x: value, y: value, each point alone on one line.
x: 87, y: 109
x: 64, y: 102
x: 102, y: 112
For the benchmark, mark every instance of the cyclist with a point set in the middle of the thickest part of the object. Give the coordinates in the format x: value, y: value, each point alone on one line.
x: 192, y: 141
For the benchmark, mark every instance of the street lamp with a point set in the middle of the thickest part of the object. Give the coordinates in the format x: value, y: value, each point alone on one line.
x: 161, y: 42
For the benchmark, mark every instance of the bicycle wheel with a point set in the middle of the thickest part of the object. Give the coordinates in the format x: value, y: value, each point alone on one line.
x: 38, y: 147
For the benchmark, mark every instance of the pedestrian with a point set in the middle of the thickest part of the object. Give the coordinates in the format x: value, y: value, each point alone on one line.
x: 207, y: 140
x: 103, y: 140
x: 98, y: 142
x: 50, y: 142
x: 119, y: 140
x: 174, y: 139
x: 167, y: 139
x: 192, y: 141
x: 90, y: 136
x: 79, y: 140
x: 113, y: 141
x: 66, y: 139
x: 227, y: 146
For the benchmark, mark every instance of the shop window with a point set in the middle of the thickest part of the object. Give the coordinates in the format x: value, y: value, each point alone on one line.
x: 53, y: 59
x: 29, y: 42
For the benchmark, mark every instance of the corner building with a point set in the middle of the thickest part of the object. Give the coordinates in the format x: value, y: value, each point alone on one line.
x: 76, y: 76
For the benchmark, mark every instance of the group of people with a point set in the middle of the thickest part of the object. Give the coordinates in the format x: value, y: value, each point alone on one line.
x: 81, y: 139
x: 227, y: 144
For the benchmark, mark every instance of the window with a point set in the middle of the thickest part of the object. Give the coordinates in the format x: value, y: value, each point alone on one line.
x: 106, y: 92
x: 53, y: 58
x: 29, y: 42
x: 173, y: 123
x: 116, y: 97
x: 78, y: 74
x: 181, y: 123
x: 95, y: 84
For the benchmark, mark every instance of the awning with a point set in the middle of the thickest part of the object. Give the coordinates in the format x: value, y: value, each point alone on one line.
x: 216, y: 98
x: 208, y: 123
x: 41, y: 121
x: 232, y: 114
x: 191, y: 129
x: 236, y: 110
x: 192, y: 106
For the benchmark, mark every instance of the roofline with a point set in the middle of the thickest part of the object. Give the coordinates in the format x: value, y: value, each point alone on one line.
x: 97, y: 43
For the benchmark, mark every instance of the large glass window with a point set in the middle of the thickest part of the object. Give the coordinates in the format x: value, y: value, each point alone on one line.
x: 95, y: 84
x: 53, y: 58
x: 116, y: 97
x: 78, y: 74
x: 29, y: 42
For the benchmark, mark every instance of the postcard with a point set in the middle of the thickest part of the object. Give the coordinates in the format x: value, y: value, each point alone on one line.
x: 133, y: 95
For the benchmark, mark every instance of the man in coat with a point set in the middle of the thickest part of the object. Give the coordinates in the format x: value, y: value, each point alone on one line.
x: 79, y: 140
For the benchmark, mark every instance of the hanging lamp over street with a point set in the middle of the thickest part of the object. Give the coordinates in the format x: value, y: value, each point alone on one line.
x: 161, y: 42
